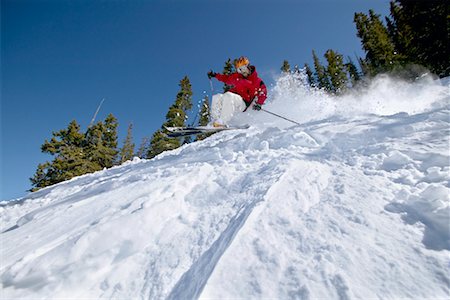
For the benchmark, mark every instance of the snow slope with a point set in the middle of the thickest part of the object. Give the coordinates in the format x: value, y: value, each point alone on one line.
x: 352, y: 204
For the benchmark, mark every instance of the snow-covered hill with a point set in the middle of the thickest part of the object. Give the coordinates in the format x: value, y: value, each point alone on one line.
x: 352, y: 204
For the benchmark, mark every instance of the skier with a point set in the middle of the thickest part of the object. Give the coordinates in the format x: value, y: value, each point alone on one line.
x: 246, y: 89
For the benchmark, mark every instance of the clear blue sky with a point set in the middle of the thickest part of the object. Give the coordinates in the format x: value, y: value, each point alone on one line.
x: 60, y: 58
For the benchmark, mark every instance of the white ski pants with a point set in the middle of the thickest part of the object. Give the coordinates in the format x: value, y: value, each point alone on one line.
x: 224, y: 106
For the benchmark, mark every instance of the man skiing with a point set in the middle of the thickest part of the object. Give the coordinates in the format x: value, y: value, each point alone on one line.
x: 246, y: 88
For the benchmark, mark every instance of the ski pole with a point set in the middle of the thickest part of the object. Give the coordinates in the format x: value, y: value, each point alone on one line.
x: 96, y: 112
x: 269, y: 112
x: 212, y: 91
x: 212, y: 87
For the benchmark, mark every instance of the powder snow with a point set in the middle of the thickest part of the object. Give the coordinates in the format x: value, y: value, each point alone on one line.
x: 352, y: 204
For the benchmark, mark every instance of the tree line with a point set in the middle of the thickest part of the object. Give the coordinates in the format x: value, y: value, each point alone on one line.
x: 413, y: 39
x: 77, y: 153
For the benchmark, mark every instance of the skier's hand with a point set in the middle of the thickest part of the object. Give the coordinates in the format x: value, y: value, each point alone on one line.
x: 211, y: 74
x: 257, y: 106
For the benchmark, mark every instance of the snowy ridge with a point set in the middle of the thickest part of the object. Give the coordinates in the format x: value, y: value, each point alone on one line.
x: 348, y: 205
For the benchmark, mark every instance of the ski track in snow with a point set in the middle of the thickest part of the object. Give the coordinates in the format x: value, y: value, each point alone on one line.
x: 346, y: 206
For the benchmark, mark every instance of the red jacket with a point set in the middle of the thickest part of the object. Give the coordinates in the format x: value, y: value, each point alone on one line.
x: 248, y: 88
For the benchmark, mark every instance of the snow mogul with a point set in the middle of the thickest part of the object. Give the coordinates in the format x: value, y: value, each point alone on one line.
x: 247, y: 89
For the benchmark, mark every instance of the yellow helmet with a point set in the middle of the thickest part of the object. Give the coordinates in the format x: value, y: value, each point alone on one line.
x: 241, y: 61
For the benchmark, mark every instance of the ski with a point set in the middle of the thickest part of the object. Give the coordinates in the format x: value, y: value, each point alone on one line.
x: 192, y: 130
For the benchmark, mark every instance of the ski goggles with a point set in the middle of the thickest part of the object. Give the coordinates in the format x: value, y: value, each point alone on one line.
x: 244, y: 70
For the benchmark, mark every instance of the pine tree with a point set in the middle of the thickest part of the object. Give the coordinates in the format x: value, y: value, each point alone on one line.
x: 353, y: 72
x: 204, y: 112
x: 69, y: 158
x: 286, y: 68
x: 421, y: 32
x: 127, y: 151
x: 94, y: 147
x: 76, y: 153
x: 160, y: 143
x: 310, y: 76
x: 184, y: 96
x: 228, y: 67
x: 399, y: 30
x: 322, y: 79
x: 101, y: 143
x: 144, y: 148
x: 227, y: 70
x: 336, y: 71
x: 365, y: 67
x: 44, y: 176
x: 176, y: 117
x: 204, y: 117
x: 111, y: 140
x: 381, y: 55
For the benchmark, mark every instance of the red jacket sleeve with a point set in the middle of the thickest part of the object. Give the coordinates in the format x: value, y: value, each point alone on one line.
x: 262, y: 93
x: 228, y: 79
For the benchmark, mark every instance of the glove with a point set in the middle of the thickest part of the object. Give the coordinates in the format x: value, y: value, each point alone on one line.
x: 211, y: 74
x: 257, y: 106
